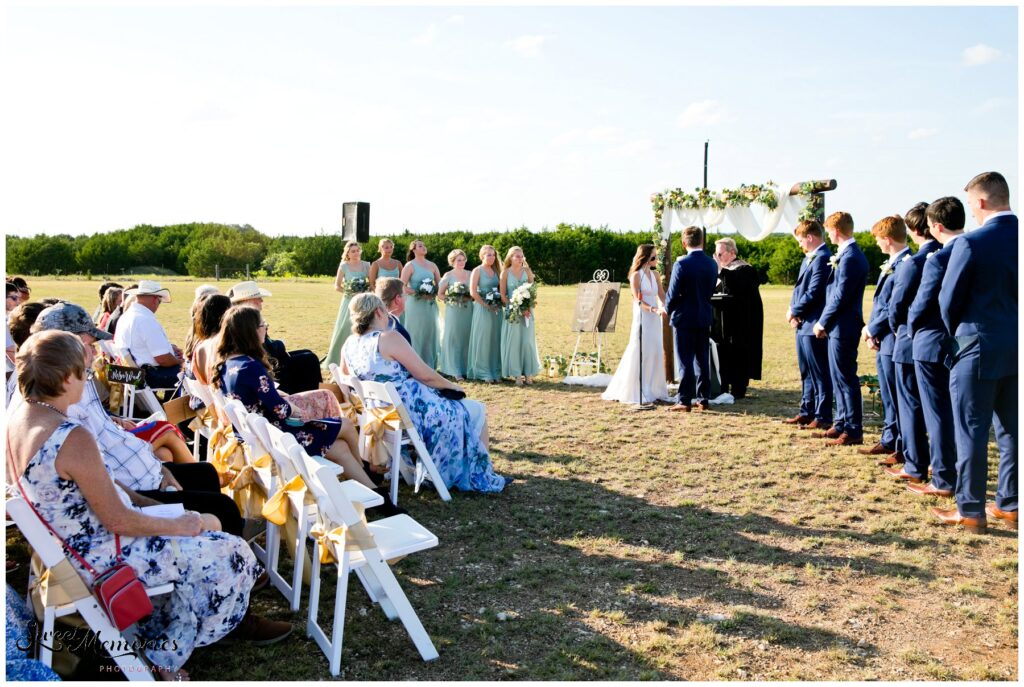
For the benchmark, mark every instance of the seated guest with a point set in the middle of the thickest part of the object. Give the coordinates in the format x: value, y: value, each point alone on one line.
x: 59, y: 471
x: 447, y: 426
x: 24, y: 293
x: 111, y: 299
x: 205, y: 290
x: 13, y: 301
x: 391, y: 291
x: 242, y: 372
x: 295, y: 371
x: 134, y: 464
x: 126, y: 302
x: 22, y: 318
x: 144, y: 337
x: 104, y: 287
x: 201, y: 345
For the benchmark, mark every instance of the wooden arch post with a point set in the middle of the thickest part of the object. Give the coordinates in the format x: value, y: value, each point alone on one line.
x: 816, y: 203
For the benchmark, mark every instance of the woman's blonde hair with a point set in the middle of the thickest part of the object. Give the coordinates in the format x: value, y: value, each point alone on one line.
x: 362, y: 309
x: 507, y: 262
x: 45, y: 360
x: 454, y: 254
x: 486, y: 247
x: 348, y: 247
x: 382, y: 242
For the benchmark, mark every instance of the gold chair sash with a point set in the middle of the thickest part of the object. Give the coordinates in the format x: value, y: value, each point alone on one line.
x: 355, y: 538
x: 250, y: 496
x: 381, y: 419
x: 351, y: 409
x: 276, y: 509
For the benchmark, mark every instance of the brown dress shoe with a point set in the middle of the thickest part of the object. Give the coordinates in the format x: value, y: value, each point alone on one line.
x: 953, y: 517
x: 845, y: 439
x: 1009, y: 516
x: 900, y: 473
x: 702, y: 406
x: 680, y: 408
x: 798, y: 420
x: 876, y: 450
x: 927, y: 489
x: 258, y: 631
x: 814, y: 424
x: 893, y: 459
x: 830, y: 433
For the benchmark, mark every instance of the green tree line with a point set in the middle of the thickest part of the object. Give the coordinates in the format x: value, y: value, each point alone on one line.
x: 565, y: 255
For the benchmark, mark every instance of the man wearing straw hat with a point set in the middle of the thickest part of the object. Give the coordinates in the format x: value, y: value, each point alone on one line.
x: 144, y: 337
x: 295, y: 371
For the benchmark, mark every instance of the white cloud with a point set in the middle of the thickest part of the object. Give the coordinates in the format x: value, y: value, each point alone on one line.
x: 980, y: 54
x: 704, y: 113
x: 429, y: 35
x: 528, y: 46
x: 990, y: 105
x: 922, y: 132
x: 641, y: 146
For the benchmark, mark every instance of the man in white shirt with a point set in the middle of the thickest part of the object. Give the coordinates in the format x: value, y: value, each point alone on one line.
x: 139, y: 332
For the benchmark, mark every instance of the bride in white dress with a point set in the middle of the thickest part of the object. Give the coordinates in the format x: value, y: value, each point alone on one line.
x: 648, y: 308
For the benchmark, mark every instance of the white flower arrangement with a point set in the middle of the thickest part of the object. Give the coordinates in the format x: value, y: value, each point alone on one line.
x: 356, y: 285
x: 427, y: 289
x: 493, y: 298
x: 522, y: 300
x: 457, y: 294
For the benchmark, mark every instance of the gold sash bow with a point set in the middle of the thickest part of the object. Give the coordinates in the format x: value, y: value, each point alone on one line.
x: 355, y: 538
x: 381, y: 419
x: 276, y: 509
x: 226, y: 453
x: 250, y: 496
x: 351, y: 409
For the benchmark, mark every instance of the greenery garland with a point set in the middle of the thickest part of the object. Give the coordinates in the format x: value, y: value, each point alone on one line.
x: 743, y: 196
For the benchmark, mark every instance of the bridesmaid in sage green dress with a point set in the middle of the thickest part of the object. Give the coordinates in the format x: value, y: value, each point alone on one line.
x: 350, y: 268
x: 421, y: 319
x: 518, y: 339
x: 484, y: 355
x: 386, y: 266
x: 458, y: 318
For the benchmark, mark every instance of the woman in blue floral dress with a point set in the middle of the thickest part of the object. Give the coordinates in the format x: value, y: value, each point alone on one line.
x: 61, y: 474
x: 243, y: 373
x: 454, y: 431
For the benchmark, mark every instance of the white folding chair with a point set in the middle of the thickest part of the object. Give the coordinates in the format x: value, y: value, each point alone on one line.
x: 199, y: 390
x: 253, y: 449
x: 385, y: 394
x: 365, y: 548
x: 276, y: 443
x: 51, y: 555
x: 146, y: 394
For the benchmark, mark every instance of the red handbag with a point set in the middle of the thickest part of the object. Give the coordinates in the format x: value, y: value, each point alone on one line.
x: 119, y: 590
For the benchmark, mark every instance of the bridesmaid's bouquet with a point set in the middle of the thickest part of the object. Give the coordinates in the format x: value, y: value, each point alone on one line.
x: 521, y: 302
x: 457, y: 294
x: 427, y: 289
x: 356, y: 285
x: 493, y: 298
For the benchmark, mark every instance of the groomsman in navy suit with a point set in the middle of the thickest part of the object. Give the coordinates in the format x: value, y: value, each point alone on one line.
x: 978, y: 302
x: 946, y: 218
x: 891, y: 237
x: 805, y: 305
x: 910, y: 414
x: 841, y: 322
x: 689, y: 307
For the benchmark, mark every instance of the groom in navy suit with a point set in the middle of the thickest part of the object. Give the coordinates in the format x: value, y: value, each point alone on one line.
x: 841, y: 323
x: 805, y: 306
x: 689, y: 307
x: 931, y: 349
x: 978, y: 302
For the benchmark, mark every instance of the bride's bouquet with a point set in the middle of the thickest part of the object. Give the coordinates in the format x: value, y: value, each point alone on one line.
x: 493, y: 298
x: 457, y: 294
x: 426, y: 290
x: 521, y: 302
x: 357, y: 285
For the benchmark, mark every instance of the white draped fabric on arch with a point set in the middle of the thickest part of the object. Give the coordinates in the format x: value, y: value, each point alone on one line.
x: 754, y: 222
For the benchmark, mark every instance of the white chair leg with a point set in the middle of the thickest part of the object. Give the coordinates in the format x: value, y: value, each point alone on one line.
x: 396, y: 465
x: 405, y: 611
x: 376, y: 591
x: 338, y: 626
x: 132, y: 667
x: 314, y: 591
x: 49, y: 619
x: 298, y: 560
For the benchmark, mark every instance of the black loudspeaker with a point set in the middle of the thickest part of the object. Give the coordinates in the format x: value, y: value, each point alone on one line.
x: 355, y: 222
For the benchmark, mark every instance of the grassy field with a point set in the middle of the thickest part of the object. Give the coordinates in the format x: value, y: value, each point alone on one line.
x: 635, y: 546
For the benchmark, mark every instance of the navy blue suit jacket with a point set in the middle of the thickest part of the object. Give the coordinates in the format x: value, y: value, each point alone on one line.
x: 905, y: 282
x: 843, y: 315
x: 396, y: 325
x: 689, y: 291
x: 878, y: 323
x: 924, y: 321
x: 978, y: 298
x: 808, y: 299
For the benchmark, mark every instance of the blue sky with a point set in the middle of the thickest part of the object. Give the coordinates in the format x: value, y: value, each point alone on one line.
x: 489, y: 118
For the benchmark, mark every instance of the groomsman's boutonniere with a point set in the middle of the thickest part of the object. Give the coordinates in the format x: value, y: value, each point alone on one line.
x: 931, y: 255
x: 907, y: 257
x: 888, y: 269
x: 834, y: 261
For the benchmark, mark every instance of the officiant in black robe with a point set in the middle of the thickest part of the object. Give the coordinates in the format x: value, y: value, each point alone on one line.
x: 739, y: 320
